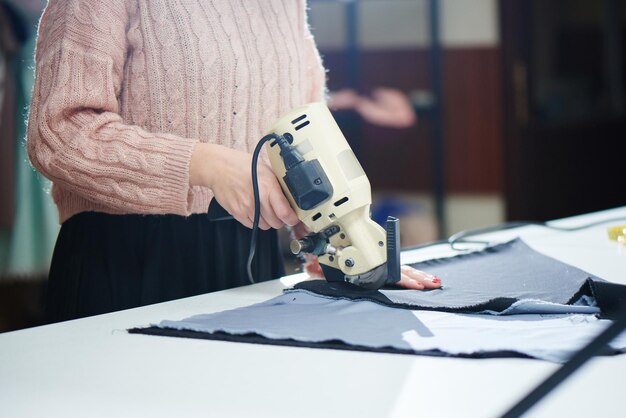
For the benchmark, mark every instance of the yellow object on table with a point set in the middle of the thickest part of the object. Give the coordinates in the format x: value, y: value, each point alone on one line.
x: 616, y: 232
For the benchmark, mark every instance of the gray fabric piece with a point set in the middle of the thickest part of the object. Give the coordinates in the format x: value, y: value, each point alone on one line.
x: 301, y: 316
x: 554, y: 306
x: 512, y: 269
x: 490, y: 281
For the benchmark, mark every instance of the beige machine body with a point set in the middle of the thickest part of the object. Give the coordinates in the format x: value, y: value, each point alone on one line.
x: 359, y: 246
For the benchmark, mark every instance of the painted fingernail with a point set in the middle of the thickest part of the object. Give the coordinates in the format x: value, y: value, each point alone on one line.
x: 437, y: 280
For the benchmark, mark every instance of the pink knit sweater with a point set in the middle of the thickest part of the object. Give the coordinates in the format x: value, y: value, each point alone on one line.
x: 126, y: 88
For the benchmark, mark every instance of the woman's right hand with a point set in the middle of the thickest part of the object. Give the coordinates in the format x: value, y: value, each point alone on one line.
x: 228, y: 173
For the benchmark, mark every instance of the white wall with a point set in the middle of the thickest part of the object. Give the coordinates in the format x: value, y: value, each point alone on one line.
x: 398, y: 24
x: 469, y: 23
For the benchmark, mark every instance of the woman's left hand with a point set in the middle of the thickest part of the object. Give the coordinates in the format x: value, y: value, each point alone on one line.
x: 411, y: 278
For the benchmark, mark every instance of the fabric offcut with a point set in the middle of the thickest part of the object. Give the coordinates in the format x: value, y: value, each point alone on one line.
x: 531, y: 305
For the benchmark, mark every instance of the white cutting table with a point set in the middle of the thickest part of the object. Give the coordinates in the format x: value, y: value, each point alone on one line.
x: 93, y: 368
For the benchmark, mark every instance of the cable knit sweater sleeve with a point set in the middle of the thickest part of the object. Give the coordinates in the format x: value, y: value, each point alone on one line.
x: 76, y: 136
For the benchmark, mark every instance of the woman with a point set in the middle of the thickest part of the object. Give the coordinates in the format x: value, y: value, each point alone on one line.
x: 143, y: 113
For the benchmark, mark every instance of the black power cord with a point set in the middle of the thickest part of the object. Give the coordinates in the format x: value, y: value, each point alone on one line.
x: 306, y: 180
x: 257, y: 202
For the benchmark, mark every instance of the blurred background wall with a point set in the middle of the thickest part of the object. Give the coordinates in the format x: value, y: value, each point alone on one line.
x: 531, y: 102
x: 564, y: 124
x: 28, y: 219
x: 395, y: 48
x: 519, y: 103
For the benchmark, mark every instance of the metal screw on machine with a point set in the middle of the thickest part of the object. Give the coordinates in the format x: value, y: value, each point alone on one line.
x: 349, y: 262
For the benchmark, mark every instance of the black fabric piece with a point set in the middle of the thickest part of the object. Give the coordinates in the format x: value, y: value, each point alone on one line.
x: 489, y: 280
x: 611, y: 297
x: 348, y: 291
x: 253, y: 338
x: 104, y: 263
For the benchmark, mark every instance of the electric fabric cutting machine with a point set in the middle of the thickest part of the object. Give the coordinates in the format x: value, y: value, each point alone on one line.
x: 329, y: 191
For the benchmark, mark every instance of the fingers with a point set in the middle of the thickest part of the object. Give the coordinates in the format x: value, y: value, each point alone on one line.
x: 245, y: 216
x: 244, y: 220
x: 418, y: 280
x: 312, y: 266
x: 409, y: 283
x: 264, y: 224
x: 274, y: 207
x: 269, y: 217
x: 427, y: 280
x: 248, y: 221
x: 299, y: 230
x: 234, y: 191
x: 281, y: 208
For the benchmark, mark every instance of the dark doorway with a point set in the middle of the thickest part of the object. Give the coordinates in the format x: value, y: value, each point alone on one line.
x: 565, y: 120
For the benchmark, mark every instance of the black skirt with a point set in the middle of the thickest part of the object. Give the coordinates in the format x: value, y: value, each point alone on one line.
x: 104, y: 263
